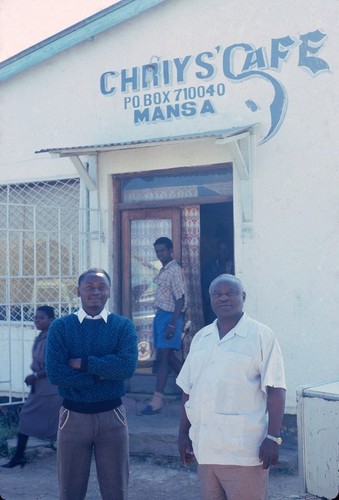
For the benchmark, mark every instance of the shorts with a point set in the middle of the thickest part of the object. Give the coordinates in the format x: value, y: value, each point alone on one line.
x: 160, y: 322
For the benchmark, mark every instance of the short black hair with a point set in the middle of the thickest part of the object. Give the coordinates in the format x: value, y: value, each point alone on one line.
x: 93, y: 270
x: 48, y: 310
x: 164, y: 241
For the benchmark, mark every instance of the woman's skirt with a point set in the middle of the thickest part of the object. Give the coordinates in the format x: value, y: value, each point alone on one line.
x: 39, y: 416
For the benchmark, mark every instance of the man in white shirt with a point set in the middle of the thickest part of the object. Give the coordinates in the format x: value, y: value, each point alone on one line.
x: 233, y: 386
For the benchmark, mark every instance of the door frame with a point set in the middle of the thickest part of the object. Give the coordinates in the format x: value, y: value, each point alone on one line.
x: 119, y: 207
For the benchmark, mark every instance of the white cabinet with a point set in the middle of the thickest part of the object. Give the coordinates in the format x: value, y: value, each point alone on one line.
x: 318, y: 439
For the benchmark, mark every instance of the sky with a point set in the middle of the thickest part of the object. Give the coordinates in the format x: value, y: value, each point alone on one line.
x: 24, y: 23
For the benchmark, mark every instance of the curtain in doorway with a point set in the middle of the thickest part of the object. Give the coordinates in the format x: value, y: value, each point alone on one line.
x: 191, y: 266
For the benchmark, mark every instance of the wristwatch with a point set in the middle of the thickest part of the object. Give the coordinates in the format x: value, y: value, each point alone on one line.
x: 277, y: 440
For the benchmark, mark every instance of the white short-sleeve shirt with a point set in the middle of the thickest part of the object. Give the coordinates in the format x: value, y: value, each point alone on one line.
x: 226, y: 382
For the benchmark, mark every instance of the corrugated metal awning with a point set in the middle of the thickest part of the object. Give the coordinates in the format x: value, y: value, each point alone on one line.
x: 235, y: 132
x: 240, y: 140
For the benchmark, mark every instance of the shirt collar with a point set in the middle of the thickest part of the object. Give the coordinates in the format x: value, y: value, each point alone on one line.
x: 168, y: 264
x: 239, y: 329
x: 82, y: 315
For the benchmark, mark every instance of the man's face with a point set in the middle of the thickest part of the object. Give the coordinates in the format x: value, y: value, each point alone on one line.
x: 227, y: 299
x: 94, y: 291
x: 163, y: 253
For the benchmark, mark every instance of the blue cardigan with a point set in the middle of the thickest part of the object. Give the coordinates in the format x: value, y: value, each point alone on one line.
x: 108, y: 351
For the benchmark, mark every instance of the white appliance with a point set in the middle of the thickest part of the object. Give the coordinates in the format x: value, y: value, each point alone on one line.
x: 318, y: 439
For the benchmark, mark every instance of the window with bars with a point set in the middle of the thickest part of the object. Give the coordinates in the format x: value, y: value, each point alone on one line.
x: 39, y: 247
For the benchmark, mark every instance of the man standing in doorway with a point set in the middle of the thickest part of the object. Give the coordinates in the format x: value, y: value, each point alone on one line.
x: 234, y: 395
x: 168, y: 321
x: 89, y: 356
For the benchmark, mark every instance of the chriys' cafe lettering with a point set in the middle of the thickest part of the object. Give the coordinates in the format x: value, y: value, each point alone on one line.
x: 146, y: 88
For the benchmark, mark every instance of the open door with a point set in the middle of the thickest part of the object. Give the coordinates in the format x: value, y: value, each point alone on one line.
x: 140, y: 229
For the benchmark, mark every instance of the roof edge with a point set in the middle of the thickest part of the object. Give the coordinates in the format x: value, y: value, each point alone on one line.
x: 77, y: 33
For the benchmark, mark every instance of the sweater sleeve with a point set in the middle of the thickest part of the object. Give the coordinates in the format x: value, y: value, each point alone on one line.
x: 58, y: 372
x: 121, y: 364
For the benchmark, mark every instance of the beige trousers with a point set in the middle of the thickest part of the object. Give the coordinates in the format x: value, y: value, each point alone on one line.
x: 233, y: 482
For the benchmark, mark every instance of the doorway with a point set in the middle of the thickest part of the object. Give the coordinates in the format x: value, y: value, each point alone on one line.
x: 193, y: 207
x: 216, y: 237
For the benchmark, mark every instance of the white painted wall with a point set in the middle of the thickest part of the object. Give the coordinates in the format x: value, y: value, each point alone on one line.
x: 288, y: 256
x: 18, y: 349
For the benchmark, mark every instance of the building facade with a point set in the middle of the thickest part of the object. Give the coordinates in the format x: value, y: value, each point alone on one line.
x: 199, y: 123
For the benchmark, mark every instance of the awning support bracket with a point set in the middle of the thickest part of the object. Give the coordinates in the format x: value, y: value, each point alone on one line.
x: 242, y: 147
x: 83, y: 174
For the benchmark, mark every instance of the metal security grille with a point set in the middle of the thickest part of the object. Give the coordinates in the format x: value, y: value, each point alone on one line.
x: 39, y: 247
x: 44, y: 242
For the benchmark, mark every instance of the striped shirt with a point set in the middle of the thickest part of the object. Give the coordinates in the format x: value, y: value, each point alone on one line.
x: 171, y: 286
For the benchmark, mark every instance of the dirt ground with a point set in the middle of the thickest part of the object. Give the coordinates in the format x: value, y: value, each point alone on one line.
x: 149, y: 480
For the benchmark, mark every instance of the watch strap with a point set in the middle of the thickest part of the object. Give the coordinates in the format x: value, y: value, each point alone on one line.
x: 277, y: 440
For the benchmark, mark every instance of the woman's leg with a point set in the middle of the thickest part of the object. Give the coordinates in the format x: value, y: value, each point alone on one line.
x: 21, y: 445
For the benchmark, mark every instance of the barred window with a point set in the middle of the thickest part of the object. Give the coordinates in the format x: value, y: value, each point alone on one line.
x: 39, y: 247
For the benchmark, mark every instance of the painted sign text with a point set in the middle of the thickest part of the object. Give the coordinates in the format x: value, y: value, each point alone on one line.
x: 147, y: 94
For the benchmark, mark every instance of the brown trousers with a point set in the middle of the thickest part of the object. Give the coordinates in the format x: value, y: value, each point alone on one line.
x: 233, y: 482
x: 79, y: 436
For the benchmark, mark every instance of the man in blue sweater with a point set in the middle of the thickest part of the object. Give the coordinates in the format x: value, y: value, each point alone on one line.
x: 89, y: 356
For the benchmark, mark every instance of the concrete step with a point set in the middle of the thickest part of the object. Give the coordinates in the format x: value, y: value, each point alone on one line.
x: 155, y: 435
x: 144, y: 383
x: 158, y: 434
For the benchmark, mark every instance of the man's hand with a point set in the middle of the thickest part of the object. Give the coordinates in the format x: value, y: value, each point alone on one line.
x: 268, y: 453
x: 186, y: 450
x: 74, y: 363
x: 170, y: 330
x: 269, y: 450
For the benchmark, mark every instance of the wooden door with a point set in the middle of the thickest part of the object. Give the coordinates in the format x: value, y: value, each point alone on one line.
x: 140, y: 229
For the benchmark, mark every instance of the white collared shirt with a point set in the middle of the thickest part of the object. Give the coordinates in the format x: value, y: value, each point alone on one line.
x: 226, y: 380
x: 82, y: 314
